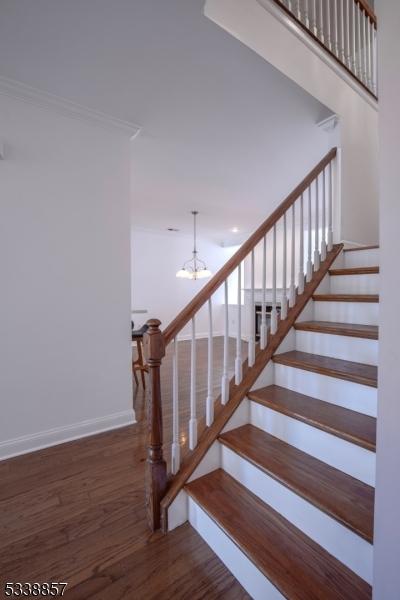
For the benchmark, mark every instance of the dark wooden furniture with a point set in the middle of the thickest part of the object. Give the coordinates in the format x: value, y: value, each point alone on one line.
x: 139, y: 364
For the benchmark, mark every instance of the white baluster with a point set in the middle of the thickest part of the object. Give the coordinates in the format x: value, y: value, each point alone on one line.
x: 309, y: 225
x: 348, y: 58
x: 321, y: 22
x: 330, y: 209
x: 210, y: 369
x: 359, y: 58
x: 335, y: 23
x: 307, y: 13
x: 274, y: 312
x: 342, y: 41
x: 225, y: 378
x: 375, y: 70
x: 239, y: 360
x: 252, y: 337
x: 364, y: 53
x: 284, y: 271
x: 328, y: 24
x: 289, y: 4
x: 371, y: 55
x: 263, y: 326
x: 300, y: 288
x: 193, y: 417
x: 315, y: 23
x: 354, y: 30
x: 299, y: 10
x: 292, y: 287
x: 175, y: 449
x: 323, y: 218
x: 317, y: 261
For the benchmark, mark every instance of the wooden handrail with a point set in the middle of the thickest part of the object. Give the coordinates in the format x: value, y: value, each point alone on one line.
x: 201, y: 298
x: 368, y: 11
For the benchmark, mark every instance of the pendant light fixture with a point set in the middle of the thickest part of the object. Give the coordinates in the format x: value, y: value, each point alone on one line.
x: 194, y: 268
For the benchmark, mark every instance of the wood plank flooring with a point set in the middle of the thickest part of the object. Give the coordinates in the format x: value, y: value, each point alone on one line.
x: 370, y: 332
x: 349, y: 501
x: 333, y: 367
x: 295, y: 564
x: 347, y: 424
x: 75, y: 513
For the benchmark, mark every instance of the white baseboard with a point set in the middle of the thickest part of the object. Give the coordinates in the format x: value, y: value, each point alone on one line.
x: 68, y: 433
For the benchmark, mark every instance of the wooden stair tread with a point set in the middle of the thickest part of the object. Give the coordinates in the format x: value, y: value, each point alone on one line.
x: 347, y: 329
x: 341, y: 496
x: 374, y: 247
x: 333, y: 367
x: 298, y: 567
x: 346, y: 297
x: 355, y: 271
x: 347, y: 424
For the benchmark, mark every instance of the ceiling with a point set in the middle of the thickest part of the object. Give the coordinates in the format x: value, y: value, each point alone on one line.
x: 222, y: 130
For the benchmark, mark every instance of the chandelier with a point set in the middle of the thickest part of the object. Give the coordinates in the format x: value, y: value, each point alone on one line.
x: 194, y: 268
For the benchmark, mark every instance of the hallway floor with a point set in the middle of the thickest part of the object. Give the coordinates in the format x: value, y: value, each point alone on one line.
x: 75, y: 513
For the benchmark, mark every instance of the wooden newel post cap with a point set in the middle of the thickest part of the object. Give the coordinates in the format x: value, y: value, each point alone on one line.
x: 153, y: 342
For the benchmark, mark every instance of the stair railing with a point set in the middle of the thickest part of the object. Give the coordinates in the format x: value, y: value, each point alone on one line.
x: 347, y: 29
x: 274, y: 264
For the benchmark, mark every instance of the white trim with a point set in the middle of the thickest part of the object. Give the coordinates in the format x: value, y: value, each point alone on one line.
x: 329, y: 124
x: 47, y: 101
x: 299, y: 32
x: 67, y: 433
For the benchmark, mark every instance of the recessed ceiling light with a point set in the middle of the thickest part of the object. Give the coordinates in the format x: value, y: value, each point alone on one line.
x: 235, y: 229
x: 172, y: 229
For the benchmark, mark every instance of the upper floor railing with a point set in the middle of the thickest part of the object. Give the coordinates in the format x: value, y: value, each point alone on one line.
x: 276, y: 262
x: 347, y: 29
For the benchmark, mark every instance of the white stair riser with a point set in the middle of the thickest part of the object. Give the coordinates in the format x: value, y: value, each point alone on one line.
x: 348, y: 394
x: 338, y: 346
x: 363, y: 313
x: 338, y: 540
x: 362, y: 258
x: 354, y: 284
x: 345, y: 456
x: 253, y: 581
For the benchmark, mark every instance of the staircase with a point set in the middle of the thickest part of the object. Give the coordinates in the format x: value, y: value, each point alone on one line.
x: 290, y: 510
x: 278, y: 476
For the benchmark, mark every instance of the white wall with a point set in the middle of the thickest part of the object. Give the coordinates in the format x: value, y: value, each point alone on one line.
x: 260, y: 30
x: 156, y: 257
x: 387, y: 522
x: 65, y: 276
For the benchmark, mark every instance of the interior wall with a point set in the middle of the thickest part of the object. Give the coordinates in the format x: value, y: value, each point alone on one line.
x: 256, y: 27
x: 65, y: 276
x: 387, y: 523
x: 156, y: 257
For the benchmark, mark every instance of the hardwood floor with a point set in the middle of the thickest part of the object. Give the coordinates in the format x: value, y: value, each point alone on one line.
x: 75, y: 513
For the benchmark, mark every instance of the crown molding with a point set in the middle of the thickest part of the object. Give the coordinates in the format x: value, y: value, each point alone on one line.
x: 67, y: 108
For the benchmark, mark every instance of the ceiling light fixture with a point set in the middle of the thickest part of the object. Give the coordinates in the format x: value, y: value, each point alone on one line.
x: 194, y: 268
x: 235, y: 229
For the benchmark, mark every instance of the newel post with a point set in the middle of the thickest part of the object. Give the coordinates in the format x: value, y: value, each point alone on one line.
x: 156, y: 467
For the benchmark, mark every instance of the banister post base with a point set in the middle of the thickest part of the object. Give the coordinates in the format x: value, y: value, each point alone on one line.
x: 156, y: 467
